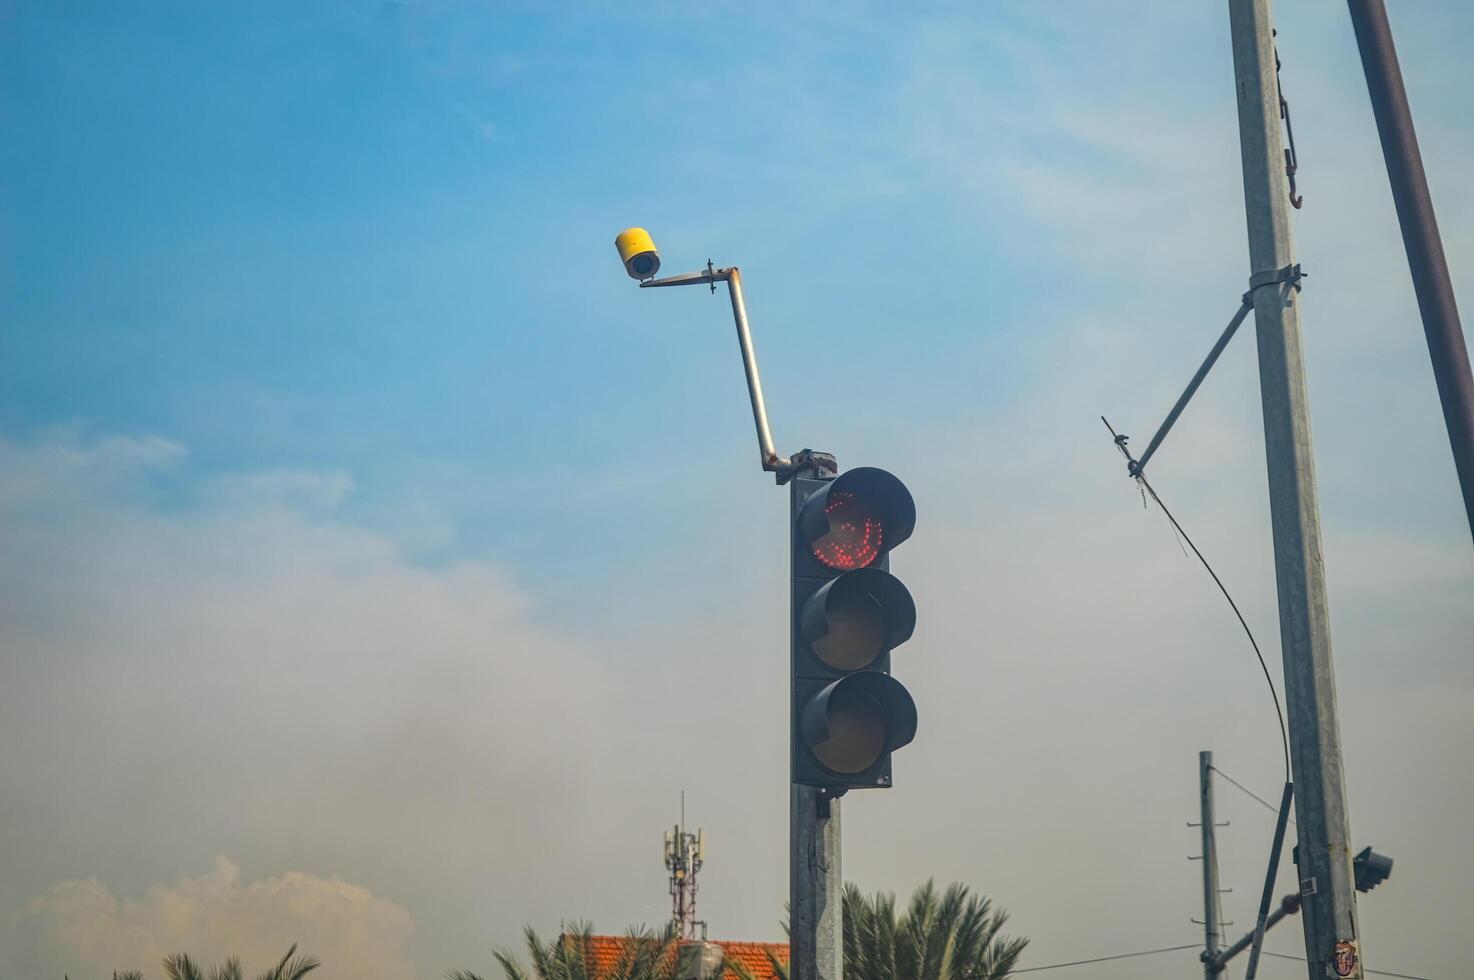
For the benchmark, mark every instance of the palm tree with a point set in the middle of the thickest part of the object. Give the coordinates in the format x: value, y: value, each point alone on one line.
x: 954, y: 935
x: 643, y: 955
x: 951, y: 936
x: 179, y: 966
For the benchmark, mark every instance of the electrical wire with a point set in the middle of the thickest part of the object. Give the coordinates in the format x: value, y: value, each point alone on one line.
x: 1176, y: 949
x: 1273, y: 693
x: 1267, y: 805
x: 1118, y: 956
x: 1380, y: 973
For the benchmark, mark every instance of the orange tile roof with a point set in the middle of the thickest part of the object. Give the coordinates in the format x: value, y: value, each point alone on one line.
x: 754, y: 956
x: 604, y: 953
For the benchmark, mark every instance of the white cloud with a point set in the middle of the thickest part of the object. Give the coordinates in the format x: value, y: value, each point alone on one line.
x: 65, y: 461
x: 288, y: 488
x: 82, y: 929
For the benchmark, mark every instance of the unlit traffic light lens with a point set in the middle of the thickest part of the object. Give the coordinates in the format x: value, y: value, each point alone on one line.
x: 855, y: 619
x: 857, y: 628
x: 856, y: 732
x: 850, y: 725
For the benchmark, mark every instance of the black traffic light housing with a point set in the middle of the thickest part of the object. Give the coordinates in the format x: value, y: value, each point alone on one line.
x: 1371, y: 869
x: 848, y: 714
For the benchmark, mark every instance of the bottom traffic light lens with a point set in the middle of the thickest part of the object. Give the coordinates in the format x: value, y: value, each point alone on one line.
x: 857, y: 732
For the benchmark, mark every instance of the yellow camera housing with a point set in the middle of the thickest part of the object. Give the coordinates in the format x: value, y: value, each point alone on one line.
x: 638, y: 253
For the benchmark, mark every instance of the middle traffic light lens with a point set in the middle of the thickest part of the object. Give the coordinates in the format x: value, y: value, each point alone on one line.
x: 855, y: 535
x: 856, y: 732
x: 857, y: 627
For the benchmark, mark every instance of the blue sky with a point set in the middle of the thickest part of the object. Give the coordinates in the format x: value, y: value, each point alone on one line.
x: 376, y: 238
x: 333, y: 435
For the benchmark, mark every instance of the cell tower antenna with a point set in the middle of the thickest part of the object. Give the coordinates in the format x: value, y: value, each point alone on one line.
x: 684, y: 854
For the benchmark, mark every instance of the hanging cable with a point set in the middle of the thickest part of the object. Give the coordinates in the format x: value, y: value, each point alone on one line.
x: 1380, y: 973
x: 1102, y: 959
x: 1136, y: 472
x: 1267, y: 805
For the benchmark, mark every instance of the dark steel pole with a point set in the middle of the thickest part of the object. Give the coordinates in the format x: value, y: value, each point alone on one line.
x: 1446, y: 345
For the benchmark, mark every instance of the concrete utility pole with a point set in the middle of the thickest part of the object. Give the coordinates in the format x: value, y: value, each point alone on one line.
x: 1325, y: 872
x: 815, y: 880
x: 815, y: 886
x: 1212, y: 903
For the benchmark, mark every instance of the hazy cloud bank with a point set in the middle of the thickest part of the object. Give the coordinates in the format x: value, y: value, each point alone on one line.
x: 195, y: 667
x: 82, y: 928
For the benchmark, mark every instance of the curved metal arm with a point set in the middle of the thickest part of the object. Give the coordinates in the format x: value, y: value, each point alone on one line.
x: 771, y: 461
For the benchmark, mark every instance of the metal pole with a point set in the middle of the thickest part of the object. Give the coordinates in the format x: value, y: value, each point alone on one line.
x: 815, y: 886
x: 1261, y: 924
x: 815, y: 878
x: 1212, y: 904
x: 770, y: 458
x: 1192, y: 386
x: 1305, y: 639
x: 1289, y: 905
x: 1420, y: 238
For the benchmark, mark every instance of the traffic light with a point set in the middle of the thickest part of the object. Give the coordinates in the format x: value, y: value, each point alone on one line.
x: 849, y: 612
x: 1371, y: 869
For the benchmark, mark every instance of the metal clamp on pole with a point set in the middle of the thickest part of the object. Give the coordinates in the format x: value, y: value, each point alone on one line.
x: 1291, y: 274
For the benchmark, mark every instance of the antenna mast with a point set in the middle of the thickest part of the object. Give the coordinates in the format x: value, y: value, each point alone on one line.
x: 684, y: 854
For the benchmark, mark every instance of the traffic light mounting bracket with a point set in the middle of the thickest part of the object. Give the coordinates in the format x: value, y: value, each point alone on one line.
x: 810, y: 463
x: 826, y: 795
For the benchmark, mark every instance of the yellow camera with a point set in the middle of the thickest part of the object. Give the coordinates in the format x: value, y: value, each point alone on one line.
x: 638, y: 253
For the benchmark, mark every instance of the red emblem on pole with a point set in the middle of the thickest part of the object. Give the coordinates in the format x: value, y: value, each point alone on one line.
x: 1344, y: 957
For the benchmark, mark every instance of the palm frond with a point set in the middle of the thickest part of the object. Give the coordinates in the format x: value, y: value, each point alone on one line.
x: 178, y: 966
x: 290, y: 966
x: 511, y: 969
x: 949, y: 935
x: 300, y: 967
x: 780, y: 966
x: 229, y: 970
x: 576, y: 950
x: 542, y: 956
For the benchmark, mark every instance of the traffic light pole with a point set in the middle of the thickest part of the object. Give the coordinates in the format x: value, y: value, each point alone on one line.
x: 847, y: 713
x: 1325, y: 869
x: 815, y: 885
x: 815, y: 876
x: 1289, y: 905
x: 815, y: 879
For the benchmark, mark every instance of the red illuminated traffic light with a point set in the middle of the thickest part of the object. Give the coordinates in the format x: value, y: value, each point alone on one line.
x: 849, y: 612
